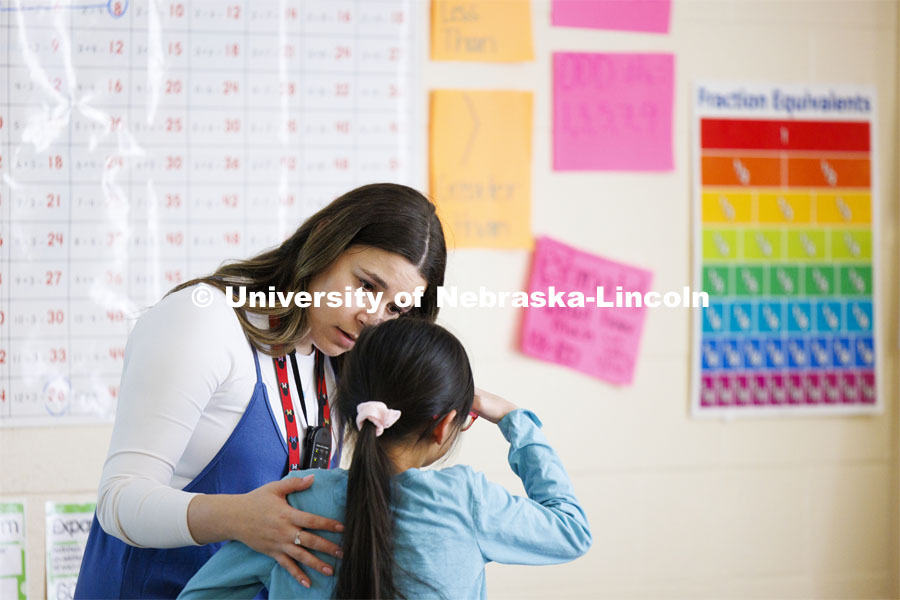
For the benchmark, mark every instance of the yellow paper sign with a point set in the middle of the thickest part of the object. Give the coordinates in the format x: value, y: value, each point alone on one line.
x: 481, y: 30
x: 480, y: 167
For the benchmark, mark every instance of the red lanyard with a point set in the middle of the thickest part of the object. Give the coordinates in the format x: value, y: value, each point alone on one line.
x: 284, y: 392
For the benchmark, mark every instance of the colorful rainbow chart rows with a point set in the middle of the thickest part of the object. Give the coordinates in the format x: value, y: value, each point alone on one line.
x: 786, y: 256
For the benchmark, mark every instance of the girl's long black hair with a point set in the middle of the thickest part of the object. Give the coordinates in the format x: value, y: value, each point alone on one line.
x: 422, y: 370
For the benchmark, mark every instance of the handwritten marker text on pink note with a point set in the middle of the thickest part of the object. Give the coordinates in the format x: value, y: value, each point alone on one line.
x: 624, y: 15
x: 602, y: 342
x: 612, y: 112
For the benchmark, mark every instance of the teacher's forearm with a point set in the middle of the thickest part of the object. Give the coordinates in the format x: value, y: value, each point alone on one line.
x: 144, y: 513
x: 214, y: 517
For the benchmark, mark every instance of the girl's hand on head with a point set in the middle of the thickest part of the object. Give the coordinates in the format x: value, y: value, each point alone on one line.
x: 268, y: 524
x: 491, y: 407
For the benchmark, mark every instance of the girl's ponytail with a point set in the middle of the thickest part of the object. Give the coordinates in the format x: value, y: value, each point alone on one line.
x: 420, y: 369
x: 367, y: 570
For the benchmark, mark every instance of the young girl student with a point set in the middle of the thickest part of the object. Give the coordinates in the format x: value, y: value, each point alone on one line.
x: 405, y: 394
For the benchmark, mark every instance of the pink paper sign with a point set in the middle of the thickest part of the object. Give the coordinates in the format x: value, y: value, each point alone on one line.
x: 624, y: 15
x: 612, y: 112
x: 598, y: 340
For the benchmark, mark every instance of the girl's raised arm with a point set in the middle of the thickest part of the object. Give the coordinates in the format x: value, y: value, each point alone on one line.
x: 547, y: 527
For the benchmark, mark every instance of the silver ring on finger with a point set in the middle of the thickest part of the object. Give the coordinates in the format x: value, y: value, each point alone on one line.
x: 297, y: 538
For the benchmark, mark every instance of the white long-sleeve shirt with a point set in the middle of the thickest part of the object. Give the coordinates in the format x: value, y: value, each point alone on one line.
x: 187, y: 379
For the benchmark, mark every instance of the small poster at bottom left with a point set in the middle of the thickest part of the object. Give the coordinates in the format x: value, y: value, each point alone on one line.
x: 12, y: 551
x: 68, y: 526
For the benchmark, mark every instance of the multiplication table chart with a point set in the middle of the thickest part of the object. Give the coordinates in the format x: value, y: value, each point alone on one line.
x: 784, y: 212
x: 144, y: 143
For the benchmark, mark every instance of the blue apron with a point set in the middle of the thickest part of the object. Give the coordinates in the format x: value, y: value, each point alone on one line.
x: 254, y: 454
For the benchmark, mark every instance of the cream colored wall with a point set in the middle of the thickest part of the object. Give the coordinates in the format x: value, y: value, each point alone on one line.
x: 787, y: 508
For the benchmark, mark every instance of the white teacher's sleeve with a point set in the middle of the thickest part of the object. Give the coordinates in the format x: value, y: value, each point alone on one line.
x: 177, y: 356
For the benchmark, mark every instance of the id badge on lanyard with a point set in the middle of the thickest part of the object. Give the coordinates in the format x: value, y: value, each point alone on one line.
x: 317, y: 441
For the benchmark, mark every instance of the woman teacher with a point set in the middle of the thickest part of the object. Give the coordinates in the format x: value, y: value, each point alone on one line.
x: 215, y: 401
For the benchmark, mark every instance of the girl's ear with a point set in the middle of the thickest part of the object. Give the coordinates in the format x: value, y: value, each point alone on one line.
x: 444, y: 428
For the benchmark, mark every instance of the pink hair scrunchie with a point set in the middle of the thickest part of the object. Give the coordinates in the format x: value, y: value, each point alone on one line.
x: 378, y: 414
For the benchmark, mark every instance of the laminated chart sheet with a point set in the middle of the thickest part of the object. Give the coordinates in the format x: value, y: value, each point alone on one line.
x: 144, y: 143
x: 784, y: 207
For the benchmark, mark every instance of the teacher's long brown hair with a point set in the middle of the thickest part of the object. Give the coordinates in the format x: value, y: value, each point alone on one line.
x: 388, y: 216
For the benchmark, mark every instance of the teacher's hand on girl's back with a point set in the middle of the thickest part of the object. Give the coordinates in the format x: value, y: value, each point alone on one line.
x: 264, y: 521
x: 490, y: 406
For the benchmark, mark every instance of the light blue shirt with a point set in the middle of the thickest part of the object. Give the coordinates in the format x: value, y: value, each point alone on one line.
x: 448, y: 524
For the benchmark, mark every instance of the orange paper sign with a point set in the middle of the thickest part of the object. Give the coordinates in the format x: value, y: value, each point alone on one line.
x: 481, y: 167
x: 481, y: 30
